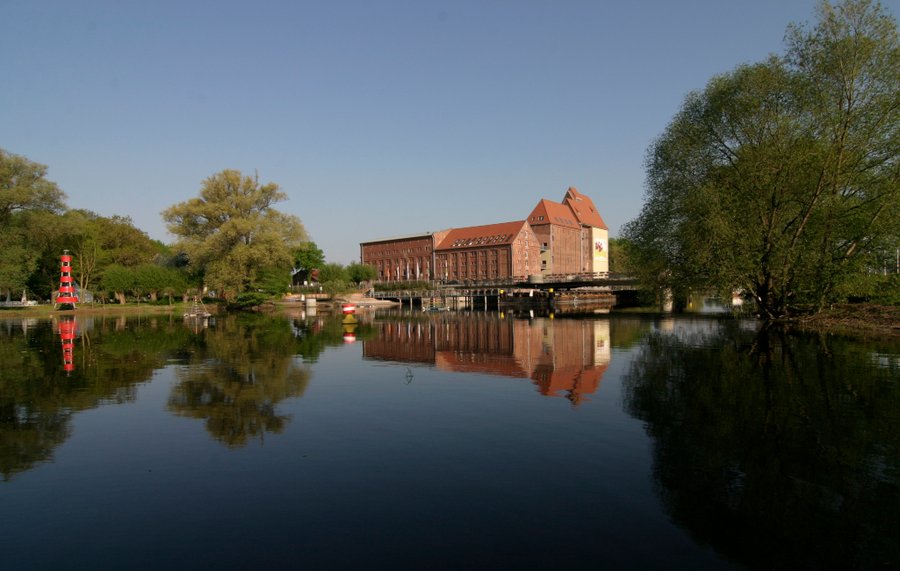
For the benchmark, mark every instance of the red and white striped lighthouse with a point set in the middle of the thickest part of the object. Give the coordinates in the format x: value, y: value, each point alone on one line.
x: 66, y: 294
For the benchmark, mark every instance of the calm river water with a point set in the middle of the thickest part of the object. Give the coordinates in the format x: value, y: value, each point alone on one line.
x: 445, y: 440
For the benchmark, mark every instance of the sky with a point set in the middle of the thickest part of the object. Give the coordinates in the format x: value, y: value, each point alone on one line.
x: 377, y: 118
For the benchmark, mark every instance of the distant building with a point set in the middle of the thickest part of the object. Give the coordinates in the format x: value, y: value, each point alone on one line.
x: 557, y: 238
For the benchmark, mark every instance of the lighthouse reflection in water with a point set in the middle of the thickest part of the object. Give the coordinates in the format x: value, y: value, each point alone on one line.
x: 562, y: 357
x: 67, y: 327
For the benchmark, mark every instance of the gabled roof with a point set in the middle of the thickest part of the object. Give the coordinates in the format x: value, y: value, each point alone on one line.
x: 549, y: 212
x: 488, y: 235
x: 584, y: 208
x: 404, y: 237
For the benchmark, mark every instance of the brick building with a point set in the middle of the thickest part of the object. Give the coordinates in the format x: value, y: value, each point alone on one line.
x: 403, y: 258
x: 560, y: 237
x: 568, y: 237
x: 493, y: 251
x: 574, y: 238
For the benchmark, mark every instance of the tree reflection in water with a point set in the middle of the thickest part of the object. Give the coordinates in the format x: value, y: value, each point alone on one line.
x: 235, y: 378
x: 40, y: 391
x: 780, y: 450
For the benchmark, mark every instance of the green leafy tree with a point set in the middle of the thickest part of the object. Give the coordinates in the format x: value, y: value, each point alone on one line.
x: 119, y: 280
x: 308, y: 256
x: 24, y: 190
x: 780, y: 177
x: 24, y: 186
x: 153, y: 278
x: 359, y: 273
x: 231, y: 232
x: 333, y: 272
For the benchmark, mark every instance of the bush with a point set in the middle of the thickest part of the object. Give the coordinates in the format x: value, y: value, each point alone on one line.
x: 248, y: 300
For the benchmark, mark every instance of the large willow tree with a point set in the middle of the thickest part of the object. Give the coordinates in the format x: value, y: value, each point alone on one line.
x: 779, y: 178
x: 231, y: 233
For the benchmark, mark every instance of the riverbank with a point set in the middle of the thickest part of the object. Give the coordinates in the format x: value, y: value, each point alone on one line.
x: 858, y: 318
x: 94, y: 309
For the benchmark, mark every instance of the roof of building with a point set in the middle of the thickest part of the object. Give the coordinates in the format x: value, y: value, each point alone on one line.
x: 584, y: 209
x: 404, y: 237
x: 488, y: 235
x: 549, y: 212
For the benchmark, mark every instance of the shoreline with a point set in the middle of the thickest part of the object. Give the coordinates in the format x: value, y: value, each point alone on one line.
x: 857, y: 319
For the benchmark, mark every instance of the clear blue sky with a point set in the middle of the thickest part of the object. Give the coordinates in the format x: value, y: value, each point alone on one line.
x: 377, y: 118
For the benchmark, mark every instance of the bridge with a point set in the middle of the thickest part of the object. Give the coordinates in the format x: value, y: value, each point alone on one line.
x: 537, y: 290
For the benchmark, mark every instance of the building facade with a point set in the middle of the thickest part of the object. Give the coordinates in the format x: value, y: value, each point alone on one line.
x: 490, y: 252
x: 594, y: 232
x: 568, y: 237
x: 574, y: 238
x: 402, y: 258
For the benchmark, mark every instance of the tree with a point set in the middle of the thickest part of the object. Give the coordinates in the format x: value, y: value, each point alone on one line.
x: 308, y: 256
x: 359, y: 273
x: 231, y: 232
x: 24, y: 190
x: 119, y: 280
x: 23, y: 186
x: 780, y: 176
x: 333, y: 272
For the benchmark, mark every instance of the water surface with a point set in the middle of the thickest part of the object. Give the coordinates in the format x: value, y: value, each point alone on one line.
x: 448, y: 440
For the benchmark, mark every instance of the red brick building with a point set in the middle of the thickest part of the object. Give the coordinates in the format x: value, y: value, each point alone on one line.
x: 557, y: 238
x: 493, y: 251
x: 574, y: 238
x: 403, y: 258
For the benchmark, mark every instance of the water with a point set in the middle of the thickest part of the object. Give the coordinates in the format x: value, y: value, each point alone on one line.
x: 445, y: 441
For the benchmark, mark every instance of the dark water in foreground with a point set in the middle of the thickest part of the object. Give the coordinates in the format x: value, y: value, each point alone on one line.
x: 445, y: 441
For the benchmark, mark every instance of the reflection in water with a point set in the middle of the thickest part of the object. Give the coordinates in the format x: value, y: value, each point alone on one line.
x: 235, y: 378
x: 38, y: 396
x: 563, y: 357
x: 769, y: 443
x: 68, y: 327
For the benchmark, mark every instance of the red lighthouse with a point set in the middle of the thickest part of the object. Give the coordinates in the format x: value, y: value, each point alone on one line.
x: 66, y: 293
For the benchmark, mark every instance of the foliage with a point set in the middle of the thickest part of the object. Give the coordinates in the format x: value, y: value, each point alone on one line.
x: 359, y: 273
x: 333, y: 272
x: 308, y: 256
x: 24, y: 190
x: 618, y: 256
x: 780, y: 177
x: 24, y: 186
x: 248, y: 300
x: 103, y: 241
x: 119, y: 280
x: 231, y: 233
x: 336, y: 287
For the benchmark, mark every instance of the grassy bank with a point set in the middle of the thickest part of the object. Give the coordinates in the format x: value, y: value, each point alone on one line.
x: 94, y: 308
x: 862, y: 318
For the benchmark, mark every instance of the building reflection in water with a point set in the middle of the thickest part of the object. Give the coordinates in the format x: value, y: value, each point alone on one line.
x: 562, y: 357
